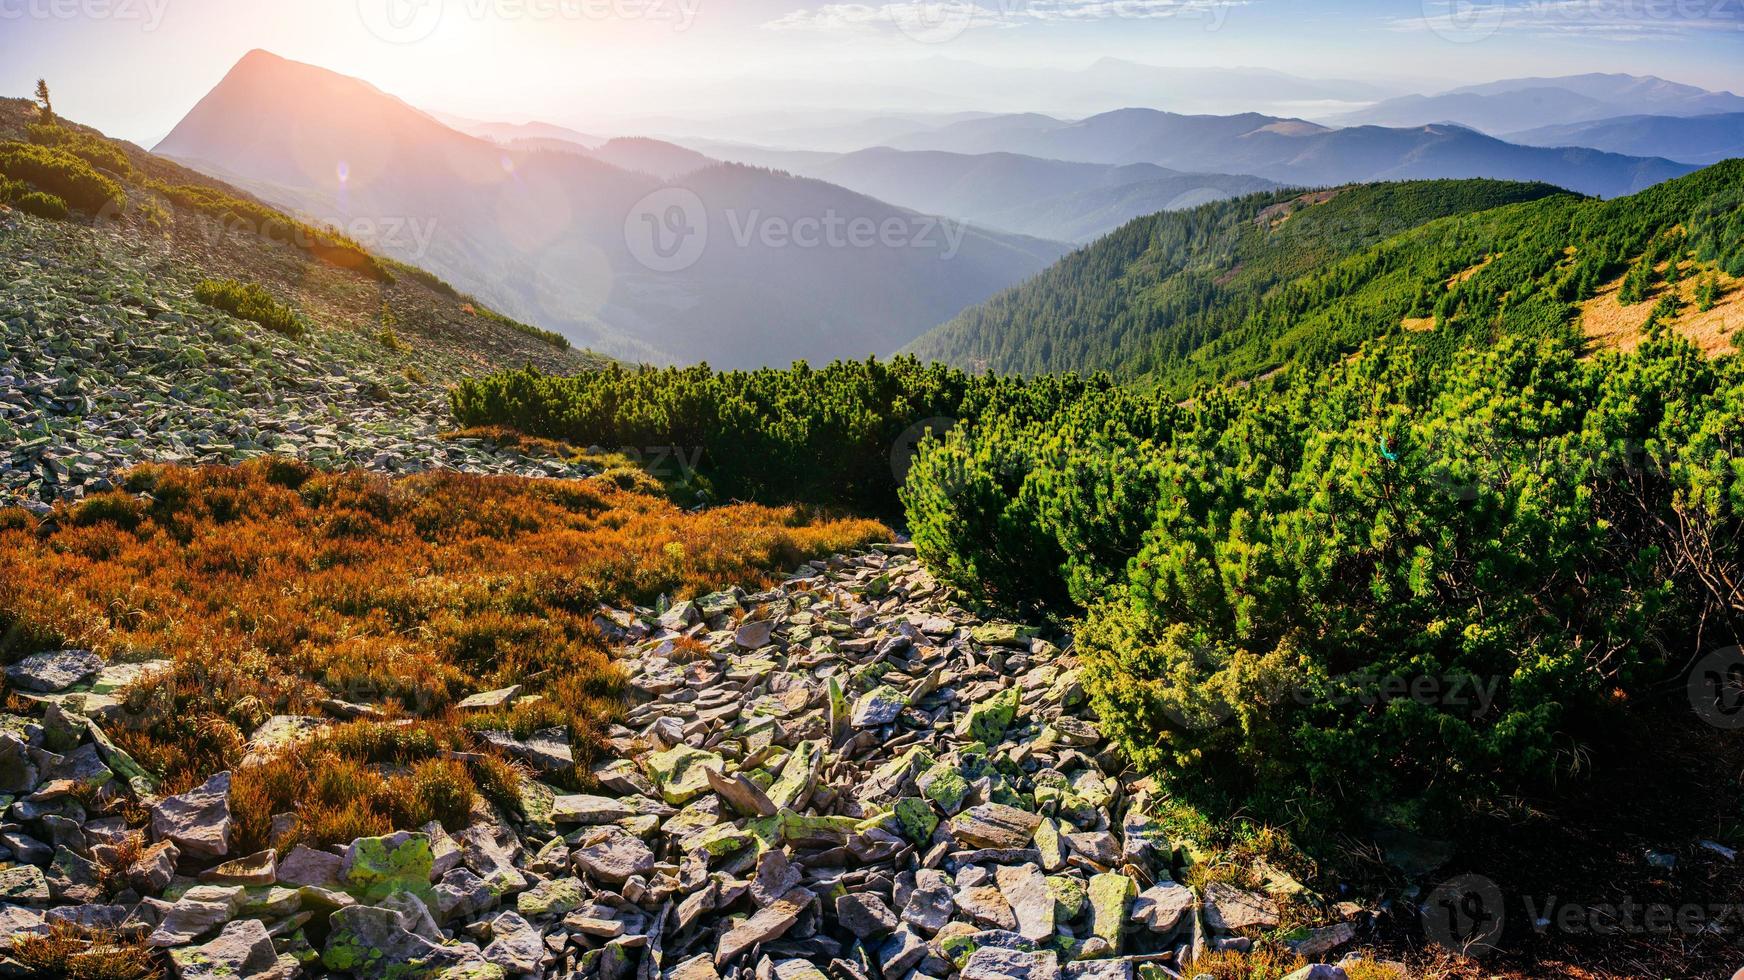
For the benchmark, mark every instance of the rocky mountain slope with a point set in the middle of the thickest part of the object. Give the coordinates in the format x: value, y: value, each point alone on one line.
x: 849, y: 776
x: 111, y: 360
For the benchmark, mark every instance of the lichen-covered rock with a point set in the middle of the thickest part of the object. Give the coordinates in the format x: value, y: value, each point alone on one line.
x: 1109, y: 894
x: 556, y: 896
x: 376, y: 867
x: 987, y: 721
x: 375, y: 944
x: 679, y: 773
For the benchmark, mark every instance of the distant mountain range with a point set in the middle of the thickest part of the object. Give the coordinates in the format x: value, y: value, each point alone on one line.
x: 1689, y: 139
x: 1517, y: 104
x: 563, y: 239
x: 1294, y: 151
x: 1051, y: 199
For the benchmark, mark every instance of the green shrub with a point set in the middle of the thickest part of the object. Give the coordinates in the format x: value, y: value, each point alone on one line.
x: 836, y: 434
x: 94, y: 150
x: 1261, y: 572
x: 60, y: 173
x: 42, y: 205
x: 1707, y: 293
x: 250, y: 301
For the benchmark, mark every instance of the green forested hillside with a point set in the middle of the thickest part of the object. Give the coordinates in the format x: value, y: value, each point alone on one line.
x: 1233, y: 290
x: 1152, y: 292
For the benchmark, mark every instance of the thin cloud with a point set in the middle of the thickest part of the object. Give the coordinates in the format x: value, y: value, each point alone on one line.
x: 861, y: 18
x: 1607, y: 20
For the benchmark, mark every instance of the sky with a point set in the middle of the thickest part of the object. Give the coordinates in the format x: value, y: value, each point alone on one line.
x: 134, y: 67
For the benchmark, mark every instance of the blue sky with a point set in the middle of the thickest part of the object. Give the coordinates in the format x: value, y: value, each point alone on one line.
x: 132, y: 67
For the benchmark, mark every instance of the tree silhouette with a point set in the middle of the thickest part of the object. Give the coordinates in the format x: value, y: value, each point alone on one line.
x: 44, y: 102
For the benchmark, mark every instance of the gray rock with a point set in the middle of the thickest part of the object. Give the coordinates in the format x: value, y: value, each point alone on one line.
x: 987, y: 905
x: 256, y: 869
x: 54, y: 671
x: 613, y: 856
x: 898, y: 954
x: 199, y: 911
x: 515, y: 945
x: 994, y: 825
x: 1229, y: 909
x: 1031, y: 900
x: 879, y: 706
x: 767, y: 924
x: 242, y: 949
x: 931, y: 905
x: 993, y: 963
x: 198, y: 821
x: 1162, y: 907
x: 775, y: 877
x: 865, y: 916
x: 306, y: 866
x: 588, y: 810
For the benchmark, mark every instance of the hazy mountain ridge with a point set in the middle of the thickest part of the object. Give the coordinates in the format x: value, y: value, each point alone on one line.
x: 1690, y: 139
x: 545, y: 234
x: 1295, y: 151
x: 1054, y: 199
x: 1514, y: 105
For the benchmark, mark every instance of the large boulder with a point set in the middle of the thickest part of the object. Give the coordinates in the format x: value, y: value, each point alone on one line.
x: 376, y: 944
x: 198, y: 821
x: 242, y: 949
x: 376, y: 867
x: 53, y: 671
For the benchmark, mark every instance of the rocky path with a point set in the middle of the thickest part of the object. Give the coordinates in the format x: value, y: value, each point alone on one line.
x: 849, y: 777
